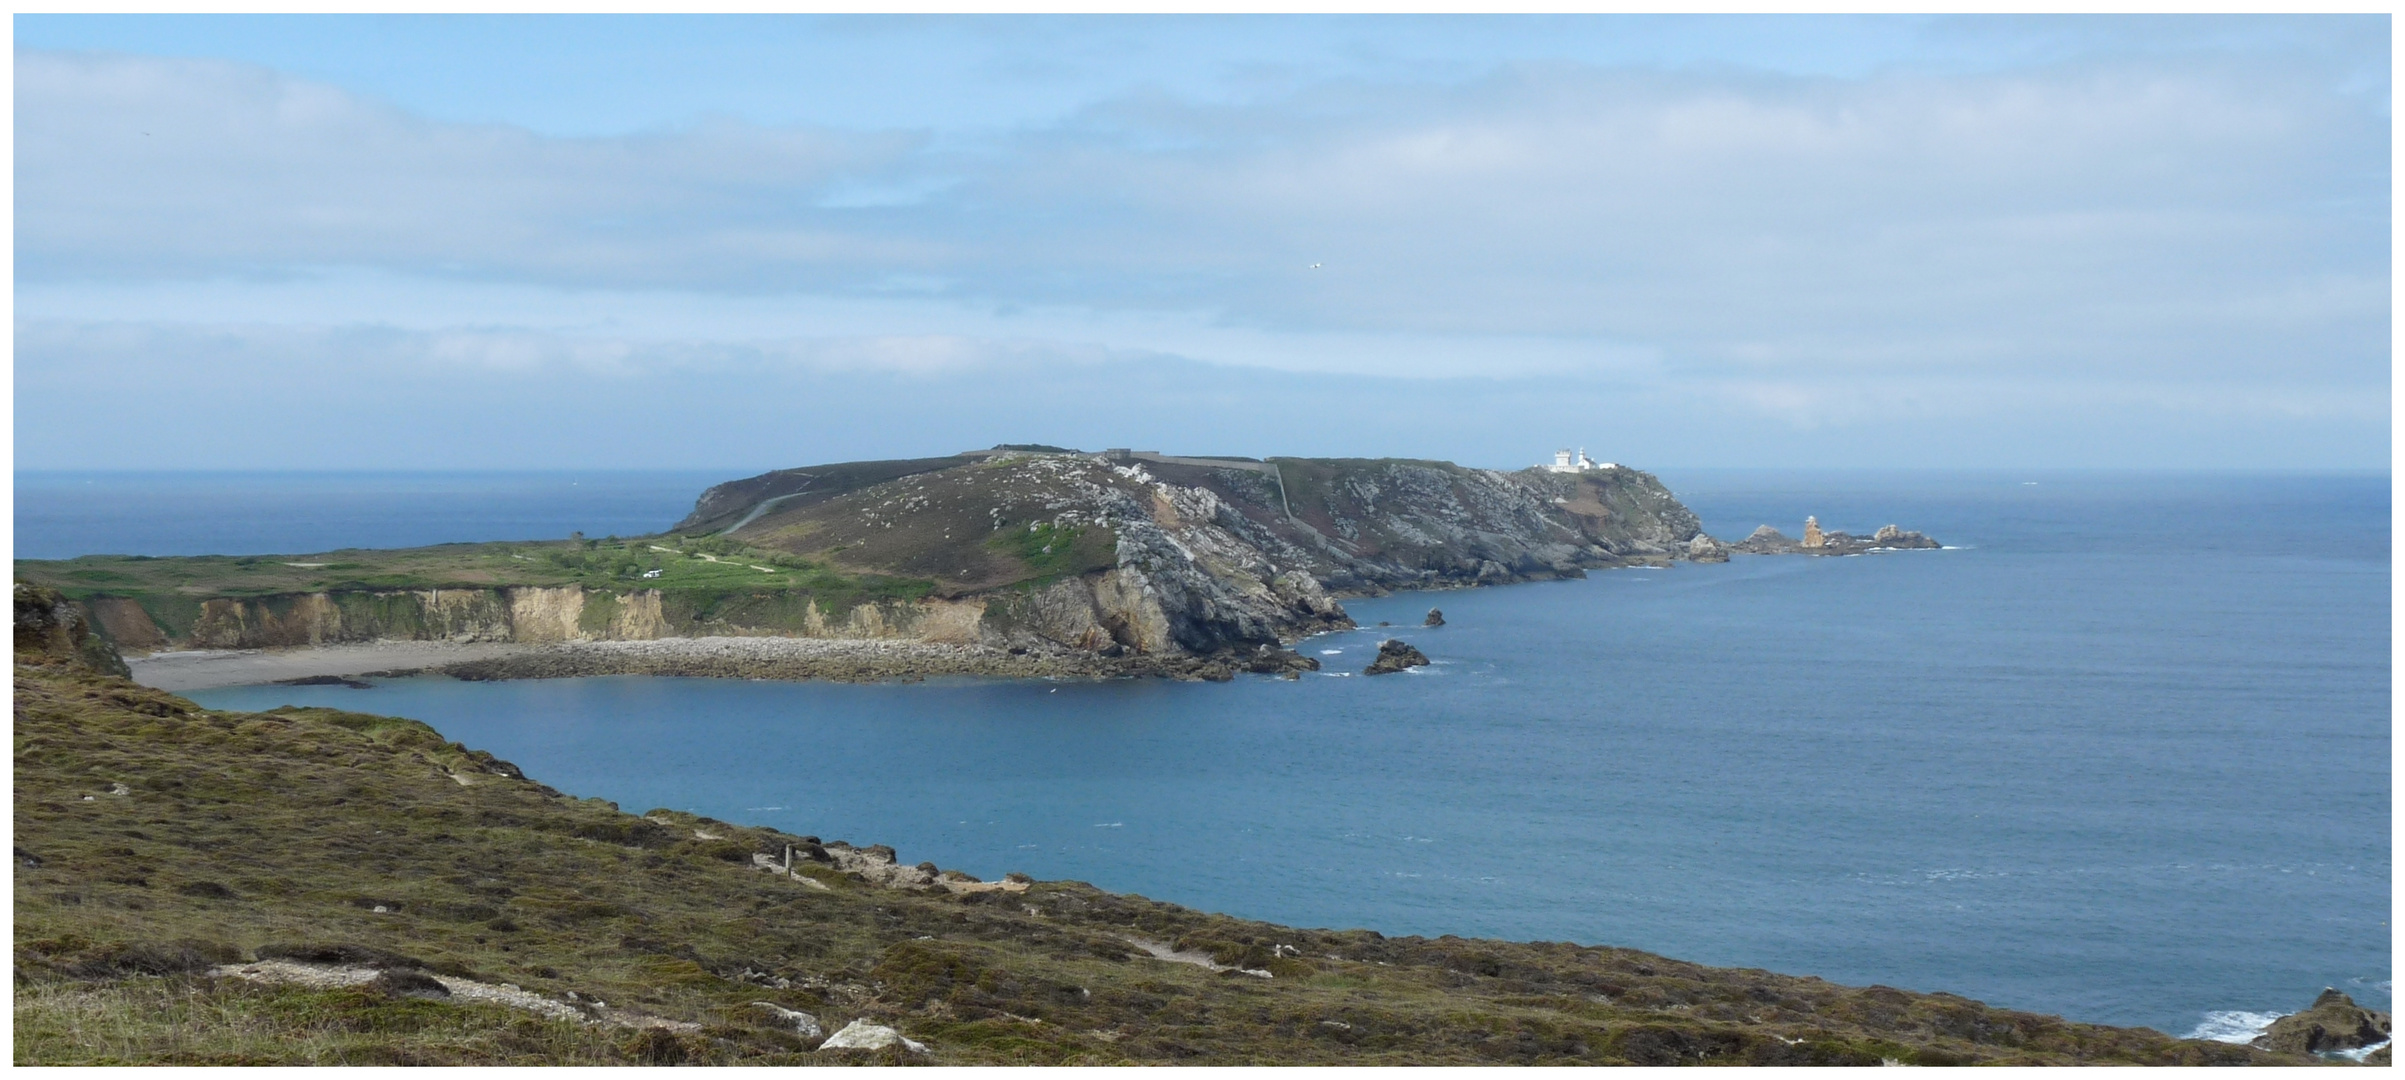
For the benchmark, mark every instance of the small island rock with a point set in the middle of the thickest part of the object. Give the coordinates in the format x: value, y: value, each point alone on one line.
x: 2334, y: 1022
x: 1889, y: 536
x: 1765, y: 541
x: 1435, y: 618
x: 1394, y: 656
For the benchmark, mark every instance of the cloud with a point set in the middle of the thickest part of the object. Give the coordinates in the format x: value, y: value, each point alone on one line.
x: 2132, y: 217
x: 104, y: 395
x: 132, y: 166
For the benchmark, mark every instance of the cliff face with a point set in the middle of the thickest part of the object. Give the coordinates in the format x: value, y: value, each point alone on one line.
x: 1144, y: 554
x: 520, y: 614
x: 1044, y: 552
x: 52, y: 630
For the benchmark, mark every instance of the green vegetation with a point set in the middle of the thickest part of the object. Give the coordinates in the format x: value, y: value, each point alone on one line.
x: 1051, y: 550
x: 159, y: 842
x: 700, y: 579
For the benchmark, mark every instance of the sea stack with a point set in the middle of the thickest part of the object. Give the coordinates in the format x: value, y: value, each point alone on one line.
x: 1394, y: 656
x: 1812, y: 536
x: 1435, y: 618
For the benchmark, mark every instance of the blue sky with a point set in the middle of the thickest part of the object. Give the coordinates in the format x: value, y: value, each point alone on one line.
x: 329, y: 242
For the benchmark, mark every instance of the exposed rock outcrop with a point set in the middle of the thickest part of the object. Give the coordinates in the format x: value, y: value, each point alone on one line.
x: 52, y: 630
x: 1394, y: 656
x: 1889, y: 536
x: 1769, y: 541
x: 1191, y: 567
x: 2334, y: 1022
x: 1765, y: 540
x: 1435, y: 618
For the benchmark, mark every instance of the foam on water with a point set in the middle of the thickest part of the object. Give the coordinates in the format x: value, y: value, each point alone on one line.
x: 2357, y: 1054
x: 2233, y: 1026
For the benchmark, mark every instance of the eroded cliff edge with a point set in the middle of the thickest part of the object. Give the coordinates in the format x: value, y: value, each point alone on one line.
x: 1062, y: 562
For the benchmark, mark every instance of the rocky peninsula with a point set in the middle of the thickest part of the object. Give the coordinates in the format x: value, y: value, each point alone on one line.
x: 1016, y: 561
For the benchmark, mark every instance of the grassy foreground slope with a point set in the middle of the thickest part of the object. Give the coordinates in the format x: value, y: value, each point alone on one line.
x: 172, y: 862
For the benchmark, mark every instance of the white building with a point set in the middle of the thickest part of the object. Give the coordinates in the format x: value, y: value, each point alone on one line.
x: 1564, y: 462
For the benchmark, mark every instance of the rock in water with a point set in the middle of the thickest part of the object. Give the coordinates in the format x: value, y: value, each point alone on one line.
x: 1394, y: 656
x: 1435, y: 618
x: 2334, y: 1022
x: 1765, y: 541
x: 862, y: 1035
x: 1890, y: 536
x: 1704, y: 549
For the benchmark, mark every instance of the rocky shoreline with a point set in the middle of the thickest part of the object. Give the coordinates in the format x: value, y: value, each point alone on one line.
x: 781, y: 658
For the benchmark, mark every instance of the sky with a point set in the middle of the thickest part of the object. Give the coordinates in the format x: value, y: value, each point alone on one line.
x: 334, y: 242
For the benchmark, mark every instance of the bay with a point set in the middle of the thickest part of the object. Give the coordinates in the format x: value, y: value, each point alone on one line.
x: 2122, y: 753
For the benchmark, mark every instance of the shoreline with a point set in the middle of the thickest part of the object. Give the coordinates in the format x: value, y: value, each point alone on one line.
x: 179, y: 670
x: 780, y: 658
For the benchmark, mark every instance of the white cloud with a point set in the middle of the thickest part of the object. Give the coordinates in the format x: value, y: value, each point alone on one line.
x: 2179, y: 234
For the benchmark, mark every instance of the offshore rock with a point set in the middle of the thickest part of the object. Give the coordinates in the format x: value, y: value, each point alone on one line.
x: 1704, y: 549
x: 1765, y: 540
x: 1889, y: 536
x: 2334, y: 1022
x: 1394, y: 656
x: 1769, y: 541
x: 1435, y: 618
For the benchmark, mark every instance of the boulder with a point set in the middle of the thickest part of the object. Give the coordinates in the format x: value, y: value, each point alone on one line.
x: 862, y: 1035
x: 2334, y: 1022
x: 1394, y: 656
x: 802, y: 1023
x: 1435, y: 618
x: 1704, y: 549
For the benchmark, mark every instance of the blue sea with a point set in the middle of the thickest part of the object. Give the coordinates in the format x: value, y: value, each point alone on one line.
x: 2120, y: 752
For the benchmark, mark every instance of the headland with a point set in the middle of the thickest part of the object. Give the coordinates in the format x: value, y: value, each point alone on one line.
x: 1020, y: 561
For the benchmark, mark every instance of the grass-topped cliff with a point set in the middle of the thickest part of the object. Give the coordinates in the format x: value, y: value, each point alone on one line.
x: 307, y: 886
x: 697, y: 583
x: 1208, y: 563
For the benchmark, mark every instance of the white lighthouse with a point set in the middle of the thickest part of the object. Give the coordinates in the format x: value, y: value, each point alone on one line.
x: 1565, y: 461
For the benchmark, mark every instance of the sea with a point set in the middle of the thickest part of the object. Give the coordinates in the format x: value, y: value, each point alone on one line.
x: 2120, y: 751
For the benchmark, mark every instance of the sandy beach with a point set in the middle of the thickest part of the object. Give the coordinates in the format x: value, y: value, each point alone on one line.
x: 841, y: 659
x: 202, y: 669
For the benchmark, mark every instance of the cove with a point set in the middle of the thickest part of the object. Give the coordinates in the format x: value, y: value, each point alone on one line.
x: 2129, y: 779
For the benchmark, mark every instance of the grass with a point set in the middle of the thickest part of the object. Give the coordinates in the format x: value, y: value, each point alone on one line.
x: 701, y: 580
x: 1050, y: 551
x: 157, y: 839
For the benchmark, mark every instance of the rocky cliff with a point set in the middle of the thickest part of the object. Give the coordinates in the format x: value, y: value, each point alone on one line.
x: 1141, y: 554
x: 1215, y: 564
